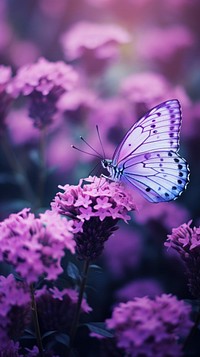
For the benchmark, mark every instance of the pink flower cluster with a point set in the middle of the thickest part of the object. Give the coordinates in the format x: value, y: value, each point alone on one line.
x: 96, y: 198
x: 35, y: 246
x: 186, y: 241
x: 95, y: 208
x: 101, y: 38
x: 5, y: 76
x: 14, y: 299
x: 43, y: 82
x: 5, y: 98
x: 59, y: 306
x: 10, y: 349
x: 43, y: 77
x: 163, y: 44
x: 151, y: 328
x: 94, y: 43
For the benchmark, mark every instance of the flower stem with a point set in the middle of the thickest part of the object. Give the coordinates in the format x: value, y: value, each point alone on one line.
x: 78, y: 307
x: 17, y: 169
x: 42, y: 173
x: 36, y: 322
x: 193, y: 330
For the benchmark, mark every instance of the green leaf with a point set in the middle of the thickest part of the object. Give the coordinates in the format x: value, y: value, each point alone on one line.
x: 96, y: 267
x: 29, y: 335
x: 72, y: 271
x: 49, y: 333
x: 100, y: 329
x: 62, y: 338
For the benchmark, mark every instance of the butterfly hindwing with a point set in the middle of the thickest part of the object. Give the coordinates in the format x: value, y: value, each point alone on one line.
x: 159, y: 176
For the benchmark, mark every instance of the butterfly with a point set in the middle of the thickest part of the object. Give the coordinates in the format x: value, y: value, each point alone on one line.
x: 147, y: 158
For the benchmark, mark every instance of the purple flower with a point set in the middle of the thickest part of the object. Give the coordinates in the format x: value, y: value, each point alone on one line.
x: 34, y: 352
x: 168, y: 48
x: 35, y: 246
x: 23, y: 52
x: 167, y: 215
x: 146, y: 89
x: 57, y: 152
x: 43, y: 82
x: 20, y: 127
x: 5, y: 97
x: 59, y: 306
x: 164, y: 44
x: 14, y: 306
x: 150, y: 327
x: 139, y: 288
x: 123, y: 252
x: 10, y: 349
x: 77, y: 104
x: 96, y: 44
x: 186, y: 241
x: 95, y: 208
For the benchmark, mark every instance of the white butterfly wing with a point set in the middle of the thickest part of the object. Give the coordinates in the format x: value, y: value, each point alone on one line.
x: 157, y: 130
x: 159, y: 176
x: 148, y: 158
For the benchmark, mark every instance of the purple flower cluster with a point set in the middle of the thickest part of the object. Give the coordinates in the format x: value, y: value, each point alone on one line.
x: 95, y: 43
x: 164, y: 44
x: 59, y: 306
x: 186, y: 241
x: 43, y: 82
x: 10, y: 349
x: 151, y: 328
x: 35, y: 246
x: 5, y: 98
x: 14, y: 306
x: 123, y: 252
x: 95, y: 208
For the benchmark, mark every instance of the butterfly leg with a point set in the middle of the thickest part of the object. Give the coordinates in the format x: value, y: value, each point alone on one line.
x: 107, y: 177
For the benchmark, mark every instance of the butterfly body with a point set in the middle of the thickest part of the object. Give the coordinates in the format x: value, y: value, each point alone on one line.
x: 147, y: 158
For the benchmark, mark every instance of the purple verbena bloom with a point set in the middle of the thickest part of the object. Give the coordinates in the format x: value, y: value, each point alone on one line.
x: 96, y: 44
x: 123, y: 252
x: 60, y: 306
x: 5, y: 97
x: 95, y: 207
x: 139, y: 288
x: 35, y: 246
x: 163, y: 44
x: 166, y: 214
x: 14, y: 305
x: 186, y: 241
x: 20, y: 128
x: 10, y: 349
x: 34, y: 352
x: 77, y: 104
x: 151, y: 327
x: 43, y: 82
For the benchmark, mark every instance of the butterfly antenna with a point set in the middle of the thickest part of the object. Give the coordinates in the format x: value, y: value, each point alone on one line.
x: 85, y: 152
x: 90, y: 147
x: 98, y: 133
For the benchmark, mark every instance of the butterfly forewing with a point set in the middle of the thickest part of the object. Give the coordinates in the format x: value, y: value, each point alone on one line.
x: 157, y: 130
x: 148, y: 159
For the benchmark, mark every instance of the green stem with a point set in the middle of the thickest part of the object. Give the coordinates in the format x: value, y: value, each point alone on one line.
x: 78, y: 307
x: 193, y: 330
x: 17, y: 169
x: 42, y: 173
x: 36, y: 322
